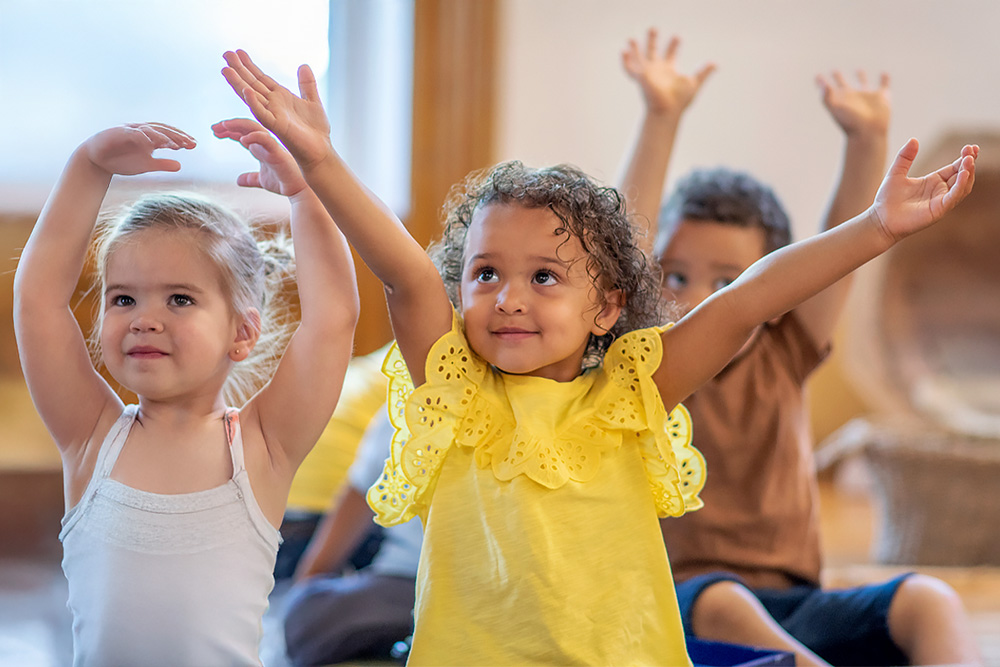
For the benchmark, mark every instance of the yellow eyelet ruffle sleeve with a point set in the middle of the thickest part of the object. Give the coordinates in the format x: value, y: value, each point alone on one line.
x: 453, y: 375
x: 674, y: 468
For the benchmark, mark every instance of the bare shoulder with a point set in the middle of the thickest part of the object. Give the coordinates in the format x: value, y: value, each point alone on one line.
x: 79, y: 459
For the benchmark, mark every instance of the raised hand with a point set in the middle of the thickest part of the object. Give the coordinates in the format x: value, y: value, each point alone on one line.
x: 299, y: 121
x: 278, y: 171
x: 664, y: 89
x: 857, y: 109
x: 905, y: 205
x: 128, y: 149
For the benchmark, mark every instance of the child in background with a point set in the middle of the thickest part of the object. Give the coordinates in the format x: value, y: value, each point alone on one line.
x: 747, y: 566
x: 332, y: 613
x: 172, y: 505
x: 323, y: 473
x: 530, y: 473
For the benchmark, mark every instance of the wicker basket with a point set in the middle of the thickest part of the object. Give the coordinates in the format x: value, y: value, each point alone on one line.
x: 938, y: 497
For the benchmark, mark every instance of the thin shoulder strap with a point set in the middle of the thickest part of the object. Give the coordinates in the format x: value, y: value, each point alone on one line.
x: 113, y: 443
x: 106, y: 458
x: 241, y: 478
x: 235, y: 438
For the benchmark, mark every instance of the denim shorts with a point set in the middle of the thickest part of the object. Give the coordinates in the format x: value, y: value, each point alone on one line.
x: 844, y: 627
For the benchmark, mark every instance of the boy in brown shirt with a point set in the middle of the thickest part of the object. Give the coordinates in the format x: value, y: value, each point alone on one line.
x: 747, y: 565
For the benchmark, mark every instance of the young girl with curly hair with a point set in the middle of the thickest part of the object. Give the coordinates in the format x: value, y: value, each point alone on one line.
x: 538, y: 477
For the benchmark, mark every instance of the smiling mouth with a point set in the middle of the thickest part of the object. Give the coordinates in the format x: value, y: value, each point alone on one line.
x: 146, y: 353
x: 513, y: 333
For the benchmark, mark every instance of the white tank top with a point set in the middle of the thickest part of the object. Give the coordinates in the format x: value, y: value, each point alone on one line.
x: 167, y: 579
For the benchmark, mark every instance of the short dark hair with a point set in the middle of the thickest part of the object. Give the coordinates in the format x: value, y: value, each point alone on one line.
x: 726, y: 196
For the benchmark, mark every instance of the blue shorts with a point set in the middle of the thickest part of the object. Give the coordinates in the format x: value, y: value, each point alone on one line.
x: 844, y: 627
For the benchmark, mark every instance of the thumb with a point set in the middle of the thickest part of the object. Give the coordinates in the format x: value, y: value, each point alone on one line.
x: 904, y: 158
x: 163, y: 164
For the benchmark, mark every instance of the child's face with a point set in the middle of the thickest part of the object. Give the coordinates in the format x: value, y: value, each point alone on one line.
x: 702, y: 257
x: 527, y: 300
x: 167, y: 328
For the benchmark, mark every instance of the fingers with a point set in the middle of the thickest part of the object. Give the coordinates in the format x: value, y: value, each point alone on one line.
x: 161, y: 135
x: 704, y: 73
x: 250, y: 179
x: 234, y: 128
x: 671, y: 53
x: 248, y: 73
x: 651, y: 35
x: 307, y: 84
x: 904, y: 158
x: 162, y: 164
x: 841, y: 83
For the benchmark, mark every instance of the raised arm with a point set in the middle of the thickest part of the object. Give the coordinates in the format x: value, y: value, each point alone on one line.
x: 704, y: 340
x: 667, y: 94
x: 862, y: 113
x: 70, y: 395
x: 295, y: 405
x: 418, y: 303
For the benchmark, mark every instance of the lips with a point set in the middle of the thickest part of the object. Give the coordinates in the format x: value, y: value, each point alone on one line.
x: 145, y: 352
x: 512, y: 333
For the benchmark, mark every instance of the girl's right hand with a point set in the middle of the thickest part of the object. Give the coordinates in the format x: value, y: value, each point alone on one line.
x: 127, y: 150
x: 299, y: 121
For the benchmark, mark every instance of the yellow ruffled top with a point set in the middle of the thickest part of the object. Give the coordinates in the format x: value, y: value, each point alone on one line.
x: 463, y: 396
x: 540, y: 502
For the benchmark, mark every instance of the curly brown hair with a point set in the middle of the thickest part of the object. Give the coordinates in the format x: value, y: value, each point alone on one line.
x: 592, y: 213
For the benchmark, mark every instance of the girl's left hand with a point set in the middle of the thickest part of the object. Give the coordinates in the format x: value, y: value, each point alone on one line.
x: 905, y: 205
x: 278, y: 171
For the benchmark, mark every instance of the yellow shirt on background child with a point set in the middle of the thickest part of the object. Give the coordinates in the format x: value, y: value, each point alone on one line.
x: 540, y: 502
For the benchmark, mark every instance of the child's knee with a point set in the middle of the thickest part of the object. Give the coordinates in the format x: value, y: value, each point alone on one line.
x: 721, y: 605
x: 922, y: 599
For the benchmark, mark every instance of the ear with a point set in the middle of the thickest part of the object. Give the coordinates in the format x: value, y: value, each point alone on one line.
x: 609, y: 314
x: 247, y: 334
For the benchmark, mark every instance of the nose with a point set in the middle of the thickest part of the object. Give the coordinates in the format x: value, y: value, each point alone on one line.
x: 510, y: 299
x: 146, y: 322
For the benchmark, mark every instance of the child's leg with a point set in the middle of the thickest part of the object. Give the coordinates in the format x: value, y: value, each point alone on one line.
x: 928, y: 622
x: 727, y: 611
x: 332, y: 619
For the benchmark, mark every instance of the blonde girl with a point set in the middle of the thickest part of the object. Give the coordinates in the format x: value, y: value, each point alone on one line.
x: 173, y: 503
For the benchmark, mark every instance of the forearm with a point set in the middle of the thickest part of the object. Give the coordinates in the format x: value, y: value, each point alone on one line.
x: 54, y: 254
x: 646, y: 172
x: 337, y: 536
x: 862, y: 169
x: 327, y: 285
x: 372, y: 228
x: 783, y: 279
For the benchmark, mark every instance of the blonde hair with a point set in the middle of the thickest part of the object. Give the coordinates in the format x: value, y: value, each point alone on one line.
x: 254, y: 274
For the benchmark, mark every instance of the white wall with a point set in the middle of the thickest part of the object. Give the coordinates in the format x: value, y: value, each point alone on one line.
x: 563, y: 96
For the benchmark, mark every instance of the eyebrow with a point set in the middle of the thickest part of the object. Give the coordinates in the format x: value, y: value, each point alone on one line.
x: 487, y: 256
x: 175, y: 287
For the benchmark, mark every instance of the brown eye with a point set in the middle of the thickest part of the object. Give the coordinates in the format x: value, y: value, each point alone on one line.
x: 544, y: 278
x: 675, y: 281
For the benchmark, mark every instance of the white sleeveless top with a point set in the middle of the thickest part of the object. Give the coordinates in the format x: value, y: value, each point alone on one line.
x: 167, y: 579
